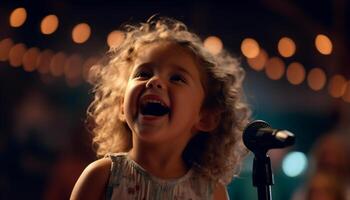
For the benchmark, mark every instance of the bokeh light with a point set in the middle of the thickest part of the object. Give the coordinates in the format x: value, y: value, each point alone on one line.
x: 213, y: 44
x: 73, y: 70
x: 16, y: 54
x: 275, y: 68
x: 295, y: 73
x: 337, y: 86
x: 346, y: 96
x: 115, y: 38
x: 250, y: 48
x: 44, y: 60
x: 73, y: 66
x: 30, y: 59
x: 323, y: 44
x: 81, y: 33
x: 18, y: 17
x: 87, y: 65
x: 294, y: 164
x: 258, y: 63
x: 5, y: 47
x: 49, y: 24
x: 57, y: 64
x: 316, y: 79
x: 286, y: 47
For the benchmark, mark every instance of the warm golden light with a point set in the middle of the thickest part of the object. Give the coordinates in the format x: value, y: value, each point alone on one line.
x: 18, y: 17
x: 323, y: 44
x: 16, y: 54
x: 44, y: 60
x: 295, y: 73
x: 213, y: 44
x: 87, y: 65
x: 57, y: 64
x: 73, y: 66
x: 346, y: 96
x: 81, y: 33
x: 258, y: 63
x: 250, y: 48
x: 5, y: 46
x: 49, y: 24
x: 30, y: 59
x: 337, y: 86
x: 73, y: 70
x: 275, y: 68
x: 286, y: 47
x: 115, y: 38
x: 316, y: 79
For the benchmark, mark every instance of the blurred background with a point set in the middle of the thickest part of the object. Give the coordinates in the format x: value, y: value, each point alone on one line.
x: 296, y: 57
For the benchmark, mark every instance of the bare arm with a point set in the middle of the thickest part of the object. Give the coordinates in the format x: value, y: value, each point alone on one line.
x: 93, y: 181
x: 220, y: 192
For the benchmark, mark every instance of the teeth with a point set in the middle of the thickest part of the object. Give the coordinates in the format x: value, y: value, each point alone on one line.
x: 153, y: 101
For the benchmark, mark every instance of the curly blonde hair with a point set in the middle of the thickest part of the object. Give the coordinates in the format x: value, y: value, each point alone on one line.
x: 217, y: 154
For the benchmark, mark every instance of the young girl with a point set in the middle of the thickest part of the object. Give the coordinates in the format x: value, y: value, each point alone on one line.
x: 168, y: 118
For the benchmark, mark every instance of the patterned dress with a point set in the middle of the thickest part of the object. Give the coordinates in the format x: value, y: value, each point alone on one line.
x: 128, y: 180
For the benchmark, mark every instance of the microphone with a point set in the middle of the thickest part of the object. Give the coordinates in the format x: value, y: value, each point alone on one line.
x: 259, y: 137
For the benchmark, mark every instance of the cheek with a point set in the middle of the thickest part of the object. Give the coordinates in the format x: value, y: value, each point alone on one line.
x: 132, y: 93
x: 190, y: 101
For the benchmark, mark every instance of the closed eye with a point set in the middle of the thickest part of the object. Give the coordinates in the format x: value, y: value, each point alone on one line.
x: 143, y: 74
x: 178, y: 78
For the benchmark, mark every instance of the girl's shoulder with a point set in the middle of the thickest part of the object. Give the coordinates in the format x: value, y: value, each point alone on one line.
x: 92, y: 182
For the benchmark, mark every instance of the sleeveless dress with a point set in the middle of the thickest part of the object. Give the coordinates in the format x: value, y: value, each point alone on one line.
x: 128, y: 180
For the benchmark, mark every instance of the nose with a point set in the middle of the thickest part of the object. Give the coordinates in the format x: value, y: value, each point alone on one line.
x: 155, y: 82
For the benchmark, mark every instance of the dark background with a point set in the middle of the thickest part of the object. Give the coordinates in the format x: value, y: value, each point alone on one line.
x: 30, y: 152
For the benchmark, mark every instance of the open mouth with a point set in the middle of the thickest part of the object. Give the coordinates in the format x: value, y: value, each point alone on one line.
x: 154, y: 107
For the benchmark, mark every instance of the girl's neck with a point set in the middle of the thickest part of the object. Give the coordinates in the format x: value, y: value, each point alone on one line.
x: 162, y: 162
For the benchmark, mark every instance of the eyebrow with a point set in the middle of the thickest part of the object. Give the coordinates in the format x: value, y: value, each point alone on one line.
x: 143, y: 64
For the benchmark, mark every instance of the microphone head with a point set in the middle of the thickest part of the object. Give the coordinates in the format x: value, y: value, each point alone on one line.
x: 259, y: 137
x: 249, y: 133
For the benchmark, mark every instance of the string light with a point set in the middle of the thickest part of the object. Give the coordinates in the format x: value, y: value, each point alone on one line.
x: 16, y: 54
x: 30, y: 59
x: 346, y: 96
x: 49, y: 24
x: 286, y: 47
x: 74, y: 68
x: 337, y: 86
x: 5, y: 47
x: 275, y: 68
x: 213, y: 44
x: 250, y: 48
x: 295, y: 73
x: 316, y: 79
x: 258, y: 63
x: 81, y: 33
x: 323, y: 44
x: 57, y: 64
x: 115, y: 38
x: 18, y: 17
x: 87, y: 65
x: 44, y: 60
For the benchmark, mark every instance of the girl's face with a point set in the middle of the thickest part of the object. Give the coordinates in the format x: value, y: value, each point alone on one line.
x: 164, y: 95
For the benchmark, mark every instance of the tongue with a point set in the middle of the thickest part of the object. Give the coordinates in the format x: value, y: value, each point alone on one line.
x: 154, y: 109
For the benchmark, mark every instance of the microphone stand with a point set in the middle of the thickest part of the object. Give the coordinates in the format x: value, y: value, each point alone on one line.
x: 262, y: 175
x: 259, y: 137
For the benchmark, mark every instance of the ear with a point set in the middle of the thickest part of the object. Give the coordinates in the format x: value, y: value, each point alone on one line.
x: 209, y: 120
